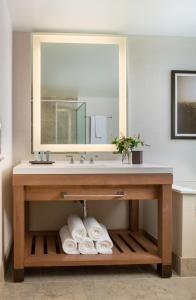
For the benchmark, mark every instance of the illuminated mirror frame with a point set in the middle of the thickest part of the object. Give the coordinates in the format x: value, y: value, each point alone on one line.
x: 38, y: 39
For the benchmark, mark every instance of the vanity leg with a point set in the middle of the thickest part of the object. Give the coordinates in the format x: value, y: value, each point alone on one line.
x: 19, y: 233
x: 18, y: 275
x: 134, y: 215
x: 165, y: 231
x: 165, y: 271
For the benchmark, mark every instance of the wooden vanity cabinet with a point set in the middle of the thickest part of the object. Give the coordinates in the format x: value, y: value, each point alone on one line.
x: 131, y: 246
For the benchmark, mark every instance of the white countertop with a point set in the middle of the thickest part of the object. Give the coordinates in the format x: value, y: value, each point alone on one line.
x: 98, y: 167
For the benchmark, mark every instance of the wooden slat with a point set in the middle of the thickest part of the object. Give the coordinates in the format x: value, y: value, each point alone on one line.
x: 148, y: 245
x: 115, y: 250
x: 120, y: 243
x: 60, y: 244
x: 39, y: 245
x: 136, y: 247
x: 51, y: 245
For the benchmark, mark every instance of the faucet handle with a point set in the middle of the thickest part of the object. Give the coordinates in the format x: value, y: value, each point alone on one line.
x: 82, y: 157
x: 71, y: 158
x: 92, y: 159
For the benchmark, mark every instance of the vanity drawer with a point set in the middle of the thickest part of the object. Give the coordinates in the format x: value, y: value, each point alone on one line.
x: 67, y: 193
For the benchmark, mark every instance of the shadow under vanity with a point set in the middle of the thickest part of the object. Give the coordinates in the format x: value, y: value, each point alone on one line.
x: 79, y: 105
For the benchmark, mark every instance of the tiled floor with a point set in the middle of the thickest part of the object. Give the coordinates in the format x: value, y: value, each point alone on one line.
x: 98, y: 283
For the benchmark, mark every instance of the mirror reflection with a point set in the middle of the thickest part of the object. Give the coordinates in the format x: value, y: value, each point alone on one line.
x: 79, y: 93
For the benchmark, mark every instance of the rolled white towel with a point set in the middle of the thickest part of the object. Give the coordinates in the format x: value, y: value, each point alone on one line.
x: 76, y: 228
x: 87, y: 246
x: 69, y: 245
x: 105, y: 244
x: 93, y: 228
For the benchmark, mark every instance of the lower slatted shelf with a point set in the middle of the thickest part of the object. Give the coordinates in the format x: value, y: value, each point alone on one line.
x: 44, y: 249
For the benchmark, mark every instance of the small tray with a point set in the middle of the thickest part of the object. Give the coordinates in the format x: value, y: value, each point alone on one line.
x: 40, y: 162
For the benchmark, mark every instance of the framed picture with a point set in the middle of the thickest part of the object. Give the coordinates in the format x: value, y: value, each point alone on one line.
x: 183, y: 104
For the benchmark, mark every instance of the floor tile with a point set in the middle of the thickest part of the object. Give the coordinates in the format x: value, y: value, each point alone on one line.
x: 62, y: 291
x: 98, y: 283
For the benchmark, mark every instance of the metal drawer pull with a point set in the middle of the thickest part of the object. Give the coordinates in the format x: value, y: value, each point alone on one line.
x: 117, y: 195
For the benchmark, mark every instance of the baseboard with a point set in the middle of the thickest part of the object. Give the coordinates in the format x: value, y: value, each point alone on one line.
x: 184, y: 267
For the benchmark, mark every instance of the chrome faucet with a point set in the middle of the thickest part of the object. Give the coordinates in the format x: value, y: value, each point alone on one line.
x: 82, y: 158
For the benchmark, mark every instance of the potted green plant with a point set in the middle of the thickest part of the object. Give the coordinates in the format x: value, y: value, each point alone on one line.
x: 126, y: 147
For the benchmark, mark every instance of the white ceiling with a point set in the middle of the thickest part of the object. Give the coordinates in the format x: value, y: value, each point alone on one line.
x: 147, y: 17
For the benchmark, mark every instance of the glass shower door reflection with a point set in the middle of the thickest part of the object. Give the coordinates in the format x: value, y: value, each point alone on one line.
x: 63, y: 122
x: 81, y: 124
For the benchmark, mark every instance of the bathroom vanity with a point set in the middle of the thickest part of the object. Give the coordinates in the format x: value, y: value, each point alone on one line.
x: 103, y: 180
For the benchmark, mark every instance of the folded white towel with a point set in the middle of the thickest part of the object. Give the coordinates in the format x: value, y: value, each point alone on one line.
x: 76, y: 228
x: 93, y: 228
x: 69, y: 245
x: 105, y: 244
x: 103, y: 251
x: 87, y: 246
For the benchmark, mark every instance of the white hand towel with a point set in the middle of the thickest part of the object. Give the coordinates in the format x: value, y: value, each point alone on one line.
x: 87, y: 246
x: 100, y: 126
x: 105, y: 244
x: 68, y: 244
x: 98, y: 130
x: 93, y: 228
x: 76, y: 228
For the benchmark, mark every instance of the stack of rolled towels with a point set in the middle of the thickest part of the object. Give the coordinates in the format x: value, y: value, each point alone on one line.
x: 85, y: 237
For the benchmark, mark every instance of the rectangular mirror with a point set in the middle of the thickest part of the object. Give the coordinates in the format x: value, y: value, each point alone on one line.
x: 79, y: 92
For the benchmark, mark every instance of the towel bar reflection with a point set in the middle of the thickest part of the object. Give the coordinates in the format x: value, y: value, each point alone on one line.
x: 106, y: 117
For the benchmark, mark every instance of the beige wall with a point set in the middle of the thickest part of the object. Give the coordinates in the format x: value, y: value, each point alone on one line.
x: 150, y: 60
x: 21, y: 96
x: 6, y: 120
